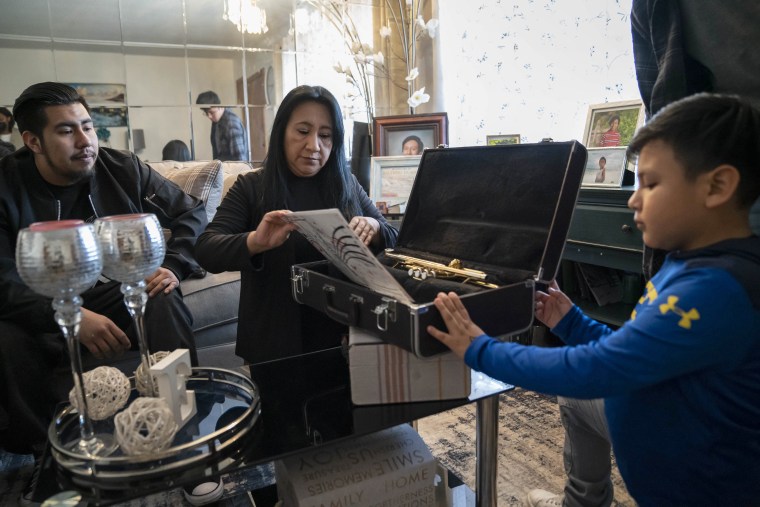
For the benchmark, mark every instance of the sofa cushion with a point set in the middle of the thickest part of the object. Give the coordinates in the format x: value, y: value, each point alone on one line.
x: 204, y: 180
x: 231, y: 172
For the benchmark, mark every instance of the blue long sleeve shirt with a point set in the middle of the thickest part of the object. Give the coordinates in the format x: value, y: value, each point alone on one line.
x: 681, y: 379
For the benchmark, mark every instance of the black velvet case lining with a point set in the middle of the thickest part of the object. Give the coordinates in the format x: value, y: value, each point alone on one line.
x: 480, y: 205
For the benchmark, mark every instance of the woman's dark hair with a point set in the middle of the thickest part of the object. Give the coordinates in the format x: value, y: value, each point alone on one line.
x: 613, y: 118
x: 336, y: 176
x: 29, y: 108
x: 176, y: 150
x: 420, y: 144
x: 705, y: 131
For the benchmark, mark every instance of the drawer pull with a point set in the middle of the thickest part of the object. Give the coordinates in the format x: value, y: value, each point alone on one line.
x: 627, y: 228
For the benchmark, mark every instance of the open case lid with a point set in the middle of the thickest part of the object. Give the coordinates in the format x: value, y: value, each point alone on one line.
x: 502, y: 209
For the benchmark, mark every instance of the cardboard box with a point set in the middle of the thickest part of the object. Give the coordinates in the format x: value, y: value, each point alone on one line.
x: 383, y: 373
x: 390, y: 468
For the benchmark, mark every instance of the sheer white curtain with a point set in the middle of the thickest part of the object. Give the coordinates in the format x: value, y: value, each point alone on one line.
x: 531, y: 67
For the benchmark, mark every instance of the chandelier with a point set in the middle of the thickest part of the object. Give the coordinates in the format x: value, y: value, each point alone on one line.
x: 246, y: 15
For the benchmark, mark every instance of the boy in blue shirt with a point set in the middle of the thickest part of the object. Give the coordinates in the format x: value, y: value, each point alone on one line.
x: 681, y: 379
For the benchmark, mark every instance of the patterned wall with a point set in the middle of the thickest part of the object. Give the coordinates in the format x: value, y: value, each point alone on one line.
x: 532, y: 67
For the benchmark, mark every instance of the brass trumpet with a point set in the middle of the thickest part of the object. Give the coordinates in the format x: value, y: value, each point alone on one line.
x: 421, y: 269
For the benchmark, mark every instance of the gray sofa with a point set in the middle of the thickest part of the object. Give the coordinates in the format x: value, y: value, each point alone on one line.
x: 213, y: 299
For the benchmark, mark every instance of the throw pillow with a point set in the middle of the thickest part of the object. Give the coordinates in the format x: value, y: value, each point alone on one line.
x: 204, y: 180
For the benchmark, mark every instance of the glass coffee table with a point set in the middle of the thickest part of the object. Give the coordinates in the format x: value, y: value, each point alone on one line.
x: 305, y: 401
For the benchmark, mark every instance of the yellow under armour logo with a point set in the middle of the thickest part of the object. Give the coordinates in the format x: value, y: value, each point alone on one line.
x: 686, y: 317
x: 650, y: 294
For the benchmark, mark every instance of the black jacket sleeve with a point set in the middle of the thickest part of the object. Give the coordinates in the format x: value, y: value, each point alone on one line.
x: 222, y: 247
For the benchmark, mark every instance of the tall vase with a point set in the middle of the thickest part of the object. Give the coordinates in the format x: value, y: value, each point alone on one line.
x: 361, y: 152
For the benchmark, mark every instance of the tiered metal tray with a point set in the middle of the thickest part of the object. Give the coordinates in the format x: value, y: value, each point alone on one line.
x: 228, y: 408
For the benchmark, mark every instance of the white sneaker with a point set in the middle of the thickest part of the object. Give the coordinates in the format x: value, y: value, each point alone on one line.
x: 203, y: 493
x: 543, y: 498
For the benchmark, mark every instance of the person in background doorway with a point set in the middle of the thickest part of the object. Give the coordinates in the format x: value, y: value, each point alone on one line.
x: 229, y: 139
x: 6, y: 128
x: 176, y: 150
x: 412, y: 145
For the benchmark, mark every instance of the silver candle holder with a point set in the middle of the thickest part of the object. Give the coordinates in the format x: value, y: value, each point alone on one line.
x: 61, y: 260
x: 133, y: 248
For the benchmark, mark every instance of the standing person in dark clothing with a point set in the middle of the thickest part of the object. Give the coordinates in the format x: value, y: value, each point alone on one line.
x: 229, y: 139
x: 305, y: 169
x: 60, y: 174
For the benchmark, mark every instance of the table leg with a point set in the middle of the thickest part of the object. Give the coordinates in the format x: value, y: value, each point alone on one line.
x: 486, y: 442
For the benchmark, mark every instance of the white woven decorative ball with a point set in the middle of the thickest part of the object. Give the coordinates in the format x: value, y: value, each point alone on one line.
x: 141, y: 383
x: 107, y: 390
x: 146, y: 426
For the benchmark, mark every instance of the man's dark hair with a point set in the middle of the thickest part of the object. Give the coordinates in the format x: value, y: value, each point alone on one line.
x: 5, y: 112
x: 29, y: 108
x: 336, y: 179
x: 602, y: 158
x: 176, y: 150
x: 208, y: 97
x: 420, y: 145
x: 705, y: 131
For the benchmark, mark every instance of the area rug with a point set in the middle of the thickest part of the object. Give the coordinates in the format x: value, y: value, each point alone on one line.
x: 530, y: 446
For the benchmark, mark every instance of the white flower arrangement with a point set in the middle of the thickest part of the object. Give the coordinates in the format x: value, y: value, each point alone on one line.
x: 405, y: 21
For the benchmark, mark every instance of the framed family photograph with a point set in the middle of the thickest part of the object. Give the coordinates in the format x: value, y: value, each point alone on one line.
x: 409, y: 134
x: 503, y: 139
x: 392, y: 178
x: 612, y: 123
x: 604, y: 167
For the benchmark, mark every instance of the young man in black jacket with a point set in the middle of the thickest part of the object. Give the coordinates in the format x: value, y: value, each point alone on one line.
x: 61, y: 173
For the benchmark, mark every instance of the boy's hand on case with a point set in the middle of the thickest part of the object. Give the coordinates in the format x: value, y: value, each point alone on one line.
x: 461, y: 330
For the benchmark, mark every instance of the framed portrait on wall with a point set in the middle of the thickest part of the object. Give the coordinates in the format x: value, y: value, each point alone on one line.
x: 409, y: 134
x: 604, y: 167
x: 392, y: 179
x: 612, y: 123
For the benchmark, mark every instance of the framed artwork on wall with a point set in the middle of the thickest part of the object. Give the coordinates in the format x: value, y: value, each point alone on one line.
x: 604, y: 167
x: 612, y: 123
x: 101, y: 93
x: 409, y: 134
x: 503, y: 139
x: 392, y: 179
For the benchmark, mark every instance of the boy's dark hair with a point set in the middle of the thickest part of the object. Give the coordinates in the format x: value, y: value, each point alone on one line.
x: 208, y: 97
x: 29, y: 108
x: 706, y: 130
x: 5, y: 112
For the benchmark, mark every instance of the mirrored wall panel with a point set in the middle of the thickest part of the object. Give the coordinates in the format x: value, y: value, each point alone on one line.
x: 142, y: 63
